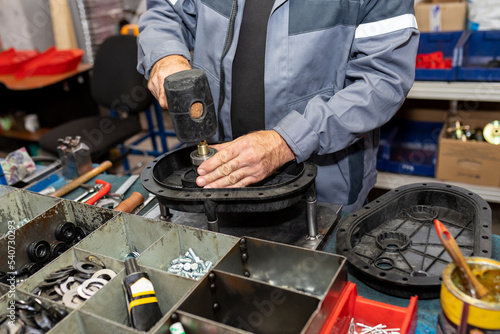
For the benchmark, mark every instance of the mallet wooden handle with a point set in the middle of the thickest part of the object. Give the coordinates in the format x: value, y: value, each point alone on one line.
x: 129, y: 204
x: 82, y: 179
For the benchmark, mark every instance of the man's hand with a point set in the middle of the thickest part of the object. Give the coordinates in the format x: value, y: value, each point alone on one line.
x: 162, y: 69
x: 245, y: 160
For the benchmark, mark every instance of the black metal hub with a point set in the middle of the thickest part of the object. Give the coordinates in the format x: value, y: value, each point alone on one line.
x: 171, y: 177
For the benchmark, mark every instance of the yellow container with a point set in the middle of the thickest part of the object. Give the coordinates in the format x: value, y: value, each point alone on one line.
x: 479, y: 316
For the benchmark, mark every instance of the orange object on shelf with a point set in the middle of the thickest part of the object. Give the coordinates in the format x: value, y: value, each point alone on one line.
x: 370, y: 313
x: 11, y: 60
x: 52, y: 61
x: 130, y: 29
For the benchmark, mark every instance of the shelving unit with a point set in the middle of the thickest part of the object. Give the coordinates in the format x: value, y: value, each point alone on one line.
x: 462, y: 91
x: 452, y: 91
x: 390, y: 181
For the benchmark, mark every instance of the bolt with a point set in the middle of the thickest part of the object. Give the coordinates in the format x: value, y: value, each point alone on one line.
x: 192, y: 253
x: 208, y: 265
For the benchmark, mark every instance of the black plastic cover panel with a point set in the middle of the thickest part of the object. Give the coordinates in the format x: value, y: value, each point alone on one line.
x: 391, y: 243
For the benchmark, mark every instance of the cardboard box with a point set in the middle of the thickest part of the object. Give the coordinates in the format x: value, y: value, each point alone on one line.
x: 441, y: 16
x: 469, y: 162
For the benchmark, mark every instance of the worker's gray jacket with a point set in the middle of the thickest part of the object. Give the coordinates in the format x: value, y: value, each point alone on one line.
x: 335, y: 71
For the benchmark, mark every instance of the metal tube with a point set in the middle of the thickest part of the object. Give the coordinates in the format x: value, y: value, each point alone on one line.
x: 164, y: 212
x: 312, y: 219
x: 213, y: 225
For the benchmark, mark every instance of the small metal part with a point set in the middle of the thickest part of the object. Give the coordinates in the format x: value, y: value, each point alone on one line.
x: 208, y: 265
x: 42, y: 320
x: 71, y: 299
x: 69, y: 284
x: 75, y: 157
x: 87, y: 267
x: 106, y: 274
x: 81, y: 293
x: 202, y: 153
x: 131, y: 255
x: 192, y: 253
x: 312, y: 220
x: 58, y: 290
x: 94, y: 259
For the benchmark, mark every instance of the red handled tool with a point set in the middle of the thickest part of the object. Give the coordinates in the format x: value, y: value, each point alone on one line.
x: 105, y: 189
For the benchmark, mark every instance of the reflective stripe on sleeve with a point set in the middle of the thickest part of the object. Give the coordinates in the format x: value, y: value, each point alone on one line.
x: 386, y: 26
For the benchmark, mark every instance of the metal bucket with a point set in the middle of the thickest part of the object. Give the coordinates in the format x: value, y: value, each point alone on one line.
x: 460, y: 313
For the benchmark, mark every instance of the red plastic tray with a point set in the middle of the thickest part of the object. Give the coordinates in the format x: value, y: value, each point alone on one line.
x: 369, y: 312
x: 12, y: 60
x: 51, y: 61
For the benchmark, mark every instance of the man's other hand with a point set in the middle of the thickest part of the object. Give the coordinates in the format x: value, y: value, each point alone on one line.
x: 162, y: 69
x: 245, y: 160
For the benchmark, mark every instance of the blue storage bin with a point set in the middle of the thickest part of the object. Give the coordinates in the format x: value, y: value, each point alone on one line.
x: 480, y: 48
x: 439, y: 41
x: 408, y: 147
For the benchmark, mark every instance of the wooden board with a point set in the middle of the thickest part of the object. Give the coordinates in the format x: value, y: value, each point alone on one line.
x: 40, y: 81
x: 62, y: 24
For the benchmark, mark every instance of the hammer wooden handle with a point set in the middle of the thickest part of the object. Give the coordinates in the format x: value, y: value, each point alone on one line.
x: 82, y: 179
x: 130, y: 203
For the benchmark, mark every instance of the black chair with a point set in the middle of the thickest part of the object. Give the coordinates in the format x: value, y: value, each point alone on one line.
x: 116, y: 85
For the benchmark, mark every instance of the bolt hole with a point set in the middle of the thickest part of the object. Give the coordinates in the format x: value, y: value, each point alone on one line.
x: 377, y: 201
x: 485, y: 226
x: 260, y: 194
x: 367, y: 207
x: 149, y: 167
x: 310, y: 175
x: 471, y: 194
x: 354, y: 215
x: 342, y: 230
x: 424, y: 184
x: 484, y: 251
x: 485, y: 208
x: 208, y: 195
x: 396, y: 190
x: 295, y: 185
x: 448, y: 186
x: 345, y: 250
x: 384, y: 263
x: 405, y: 279
x: 187, y: 195
x: 146, y: 180
x: 225, y: 195
x: 160, y: 191
x: 485, y: 237
x: 383, y: 274
x: 440, y: 278
x: 366, y: 267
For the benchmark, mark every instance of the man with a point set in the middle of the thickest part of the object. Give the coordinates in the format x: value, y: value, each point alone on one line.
x: 320, y: 76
